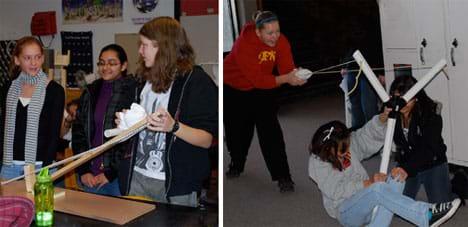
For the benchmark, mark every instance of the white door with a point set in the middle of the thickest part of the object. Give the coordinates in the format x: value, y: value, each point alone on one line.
x: 458, y: 71
x: 398, y: 24
x: 430, y: 41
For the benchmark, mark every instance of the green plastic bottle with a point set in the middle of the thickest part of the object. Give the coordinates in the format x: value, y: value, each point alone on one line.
x: 44, y: 199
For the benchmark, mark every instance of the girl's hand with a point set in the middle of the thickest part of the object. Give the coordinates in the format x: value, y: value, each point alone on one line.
x: 160, y: 121
x: 294, y: 80
x: 380, y: 177
x: 88, y: 180
x: 384, y: 115
x: 101, y: 180
x: 399, y: 174
x: 117, y: 117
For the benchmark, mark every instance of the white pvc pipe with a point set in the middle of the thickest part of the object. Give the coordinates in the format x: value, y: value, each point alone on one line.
x: 425, y: 80
x: 387, y: 145
x: 371, y: 76
x: 112, y: 132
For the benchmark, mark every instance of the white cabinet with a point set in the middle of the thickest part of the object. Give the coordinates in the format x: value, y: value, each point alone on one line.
x: 457, y: 57
x: 420, y: 33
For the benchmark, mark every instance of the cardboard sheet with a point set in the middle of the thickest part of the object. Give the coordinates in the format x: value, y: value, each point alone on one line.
x: 103, y: 208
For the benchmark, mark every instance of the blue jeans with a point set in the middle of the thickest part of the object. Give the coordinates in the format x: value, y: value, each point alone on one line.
x: 357, y: 210
x: 111, y: 188
x: 16, y: 170
x: 363, y: 100
x: 436, y: 183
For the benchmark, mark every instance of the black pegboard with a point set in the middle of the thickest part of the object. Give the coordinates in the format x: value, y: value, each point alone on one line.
x: 80, y: 45
x: 6, y: 49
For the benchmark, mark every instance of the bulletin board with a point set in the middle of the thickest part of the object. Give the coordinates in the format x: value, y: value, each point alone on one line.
x: 80, y: 45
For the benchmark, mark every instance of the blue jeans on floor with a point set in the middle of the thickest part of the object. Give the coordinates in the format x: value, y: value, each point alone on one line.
x: 111, y: 188
x: 436, y: 183
x: 357, y: 210
x: 363, y: 100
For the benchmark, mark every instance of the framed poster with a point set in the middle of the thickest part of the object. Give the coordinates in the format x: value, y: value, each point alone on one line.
x: 97, y: 11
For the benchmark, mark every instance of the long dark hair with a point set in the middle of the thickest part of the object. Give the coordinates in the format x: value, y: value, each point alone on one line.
x: 175, y: 54
x: 121, y: 55
x: 424, y: 107
x: 325, y: 142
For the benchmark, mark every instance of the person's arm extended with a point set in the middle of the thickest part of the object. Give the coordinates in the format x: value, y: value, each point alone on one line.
x: 367, y: 140
x: 290, y: 78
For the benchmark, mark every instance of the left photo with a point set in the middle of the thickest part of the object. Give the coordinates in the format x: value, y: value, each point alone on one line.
x: 109, y: 113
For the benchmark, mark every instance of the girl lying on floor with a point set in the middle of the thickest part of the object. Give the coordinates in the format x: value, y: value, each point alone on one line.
x: 349, y: 195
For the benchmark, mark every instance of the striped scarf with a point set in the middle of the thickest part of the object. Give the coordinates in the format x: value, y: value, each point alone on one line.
x: 34, y: 112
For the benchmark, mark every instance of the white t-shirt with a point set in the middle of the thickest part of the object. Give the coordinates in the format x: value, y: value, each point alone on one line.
x: 152, y: 145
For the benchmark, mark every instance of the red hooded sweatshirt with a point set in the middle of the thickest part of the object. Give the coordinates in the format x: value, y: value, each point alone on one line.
x: 250, y: 63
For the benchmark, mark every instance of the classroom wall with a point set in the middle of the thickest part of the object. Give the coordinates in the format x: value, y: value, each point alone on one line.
x: 15, y: 19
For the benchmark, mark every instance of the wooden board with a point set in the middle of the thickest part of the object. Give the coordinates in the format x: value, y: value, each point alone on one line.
x: 103, y: 208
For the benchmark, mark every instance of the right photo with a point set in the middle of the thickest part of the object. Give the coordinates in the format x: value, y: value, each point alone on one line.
x: 344, y: 113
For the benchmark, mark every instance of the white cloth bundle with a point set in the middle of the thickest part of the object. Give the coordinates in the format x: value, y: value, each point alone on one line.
x: 127, y: 119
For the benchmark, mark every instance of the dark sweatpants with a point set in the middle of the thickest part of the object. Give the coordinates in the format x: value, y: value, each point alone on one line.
x: 244, y: 110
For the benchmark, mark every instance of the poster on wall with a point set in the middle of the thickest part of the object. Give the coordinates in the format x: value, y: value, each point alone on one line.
x: 96, y: 11
x: 144, y: 10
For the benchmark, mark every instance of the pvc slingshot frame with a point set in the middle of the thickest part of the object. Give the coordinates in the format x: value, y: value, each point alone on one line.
x: 395, y: 102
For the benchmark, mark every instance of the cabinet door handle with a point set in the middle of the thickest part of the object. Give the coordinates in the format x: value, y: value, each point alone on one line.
x: 452, y: 50
x: 421, y: 51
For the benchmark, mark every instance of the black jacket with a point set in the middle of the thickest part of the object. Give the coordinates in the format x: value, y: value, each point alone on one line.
x: 425, y: 147
x: 124, y: 93
x: 187, y: 165
x: 50, y: 121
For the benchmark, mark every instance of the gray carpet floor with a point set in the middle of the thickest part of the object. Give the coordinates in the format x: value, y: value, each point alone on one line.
x: 254, y: 200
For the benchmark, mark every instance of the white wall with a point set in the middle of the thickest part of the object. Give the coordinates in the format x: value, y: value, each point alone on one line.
x: 203, y: 34
x: 15, y: 19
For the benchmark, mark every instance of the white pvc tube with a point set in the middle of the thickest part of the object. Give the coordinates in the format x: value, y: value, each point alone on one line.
x: 112, y: 132
x: 387, y: 145
x: 425, y: 80
x: 371, y: 76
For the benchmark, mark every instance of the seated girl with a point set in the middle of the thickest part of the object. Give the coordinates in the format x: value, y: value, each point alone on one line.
x: 349, y: 195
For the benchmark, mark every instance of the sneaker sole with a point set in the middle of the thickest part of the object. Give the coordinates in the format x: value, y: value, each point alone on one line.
x: 456, y: 204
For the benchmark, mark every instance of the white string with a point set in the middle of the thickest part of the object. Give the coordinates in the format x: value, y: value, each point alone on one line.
x: 324, y: 71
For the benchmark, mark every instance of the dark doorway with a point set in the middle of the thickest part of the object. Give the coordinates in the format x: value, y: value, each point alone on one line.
x: 323, y: 32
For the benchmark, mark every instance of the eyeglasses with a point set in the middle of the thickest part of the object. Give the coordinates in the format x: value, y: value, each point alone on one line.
x: 111, y: 64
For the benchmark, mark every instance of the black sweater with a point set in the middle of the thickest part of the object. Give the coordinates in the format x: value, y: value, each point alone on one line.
x: 188, y: 165
x: 49, y: 124
x: 124, y: 92
x: 425, y: 147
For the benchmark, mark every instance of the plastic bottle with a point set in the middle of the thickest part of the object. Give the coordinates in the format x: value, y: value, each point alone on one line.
x: 44, y: 199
